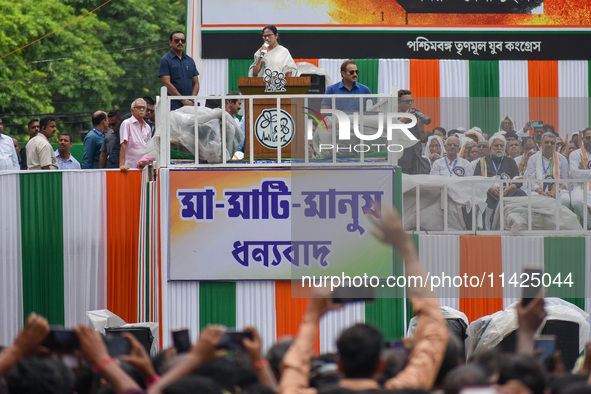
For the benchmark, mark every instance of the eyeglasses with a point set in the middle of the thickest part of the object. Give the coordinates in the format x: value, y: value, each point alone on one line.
x: 353, y: 72
x: 149, y: 110
x: 177, y: 40
x: 550, y: 142
x: 452, y: 145
x: 409, y: 101
x: 268, y: 35
x: 588, y: 137
x: 140, y: 108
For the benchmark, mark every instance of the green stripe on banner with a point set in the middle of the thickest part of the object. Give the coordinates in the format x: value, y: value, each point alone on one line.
x: 217, y: 304
x: 397, y: 192
x: 564, y: 256
x: 237, y: 68
x: 368, y: 73
x: 484, y: 95
x: 387, y: 311
x: 42, y: 245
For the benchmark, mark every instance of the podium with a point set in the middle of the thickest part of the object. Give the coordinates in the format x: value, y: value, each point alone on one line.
x: 265, y: 118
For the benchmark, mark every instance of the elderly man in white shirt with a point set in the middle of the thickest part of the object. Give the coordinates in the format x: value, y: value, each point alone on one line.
x: 452, y: 164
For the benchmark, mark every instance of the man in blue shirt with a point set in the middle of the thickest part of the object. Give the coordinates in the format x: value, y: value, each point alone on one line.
x: 65, y: 160
x: 94, y: 140
x: 178, y: 71
x: 348, y: 85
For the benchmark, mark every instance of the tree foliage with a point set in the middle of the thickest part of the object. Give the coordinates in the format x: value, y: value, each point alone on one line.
x: 101, y: 61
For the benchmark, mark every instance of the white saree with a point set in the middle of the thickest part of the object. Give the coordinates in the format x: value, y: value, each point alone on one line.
x: 278, y: 59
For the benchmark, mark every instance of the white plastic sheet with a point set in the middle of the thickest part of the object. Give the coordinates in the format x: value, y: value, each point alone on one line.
x: 488, y: 331
x: 543, y: 215
x: 209, y: 123
x: 432, y: 203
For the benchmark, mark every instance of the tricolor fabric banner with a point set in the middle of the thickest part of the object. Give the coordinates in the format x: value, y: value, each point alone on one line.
x: 71, y: 242
x: 457, y: 93
x: 268, y: 305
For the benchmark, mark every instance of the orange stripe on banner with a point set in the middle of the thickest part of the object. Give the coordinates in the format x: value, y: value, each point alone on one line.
x: 481, y: 256
x: 312, y: 61
x: 289, y: 311
x: 123, y: 214
x: 424, y: 84
x: 543, y: 91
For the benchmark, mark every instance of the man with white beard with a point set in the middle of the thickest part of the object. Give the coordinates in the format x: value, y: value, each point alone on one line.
x: 499, y: 166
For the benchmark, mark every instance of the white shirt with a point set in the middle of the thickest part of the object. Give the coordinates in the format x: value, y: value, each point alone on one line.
x: 40, y: 153
x: 459, y: 167
x: 136, y: 138
x: 532, y: 165
x: 575, y: 158
x: 8, y: 158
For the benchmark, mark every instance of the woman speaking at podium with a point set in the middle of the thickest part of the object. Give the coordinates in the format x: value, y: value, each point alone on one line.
x: 272, y: 56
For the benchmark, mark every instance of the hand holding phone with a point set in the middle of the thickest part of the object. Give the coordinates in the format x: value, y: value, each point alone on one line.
x: 61, y: 340
x: 346, y: 294
x: 532, y: 286
x: 545, y: 346
x: 232, y: 340
x: 117, y: 345
x: 181, y: 340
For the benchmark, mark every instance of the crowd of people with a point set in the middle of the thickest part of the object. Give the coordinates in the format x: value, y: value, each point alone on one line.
x: 110, y: 135
x: 535, y: 153
x: 433, y: 359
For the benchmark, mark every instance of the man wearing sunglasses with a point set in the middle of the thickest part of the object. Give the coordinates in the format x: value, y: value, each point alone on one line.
x: 133, y: 135
x: 150, y: 117
x: 580, y: 168
x: 112, y: 144
x: 349, y: 85
x: 178, y: 71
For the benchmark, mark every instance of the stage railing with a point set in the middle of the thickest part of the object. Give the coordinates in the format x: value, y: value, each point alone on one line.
x: 477, y: 215
x: 368, y: 104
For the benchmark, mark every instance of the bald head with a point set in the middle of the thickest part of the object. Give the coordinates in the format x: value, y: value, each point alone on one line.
x: 99, y: 121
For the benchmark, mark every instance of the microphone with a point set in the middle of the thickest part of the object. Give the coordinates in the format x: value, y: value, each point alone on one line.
x: 264, y: 51
x: 424, y: 118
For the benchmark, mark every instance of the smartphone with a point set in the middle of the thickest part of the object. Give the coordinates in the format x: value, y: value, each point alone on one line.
x: 117, y: 345
x: 60, y: 340
x: 398, y: 345
x: 232, y: 340
x: 545, y: 345
x: 532, y: 285
x: 181, y: 340
x: 478, y: 390
x: 537, y: 123
x: 346, y: 294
